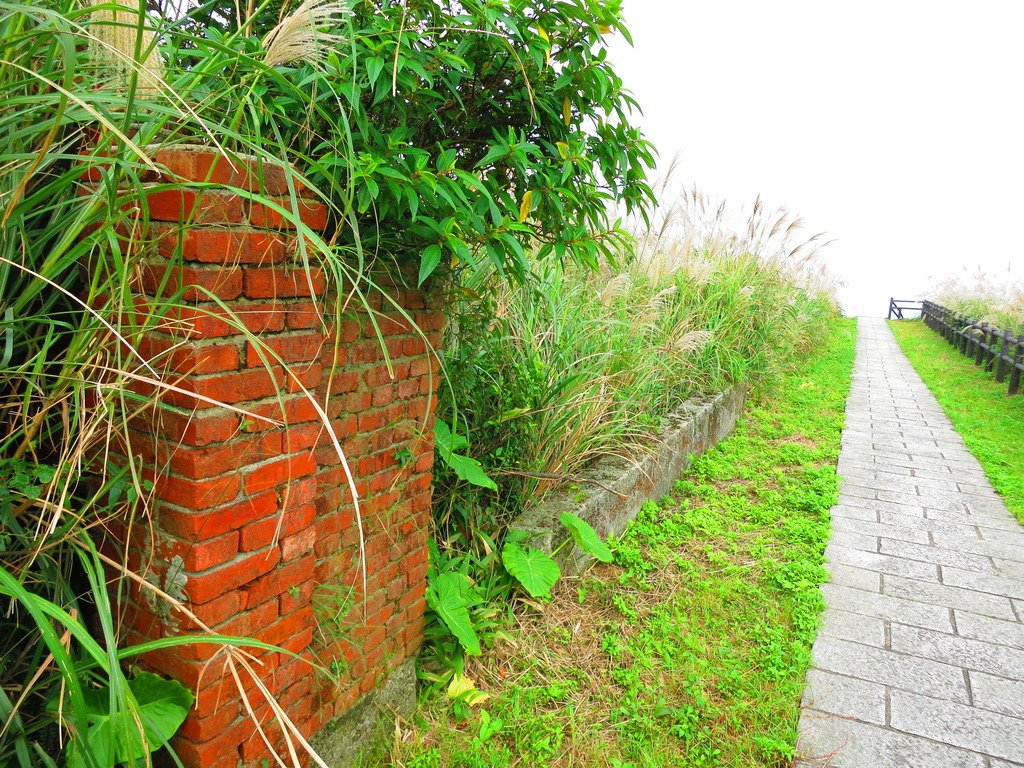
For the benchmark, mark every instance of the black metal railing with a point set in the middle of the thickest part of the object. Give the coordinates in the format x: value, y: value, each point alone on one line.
x: 898, y: 306
x: 998, y: 350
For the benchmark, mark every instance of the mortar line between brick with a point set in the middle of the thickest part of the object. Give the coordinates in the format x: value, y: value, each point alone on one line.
x: 967, y: 685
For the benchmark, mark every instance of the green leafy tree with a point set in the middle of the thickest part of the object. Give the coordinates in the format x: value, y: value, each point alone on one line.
x: 468, y: 132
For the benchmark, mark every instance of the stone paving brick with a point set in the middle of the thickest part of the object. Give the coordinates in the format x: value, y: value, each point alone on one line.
x: 847, y: 696
x: 888, y: 608
x: 997, y: 549
x: 1011, y: 538
x: 877, y: 665
x: 944, y: 500
x: 959, y: 651
x: 990, y: 630
x: 873, y: 528
x: 852, y: 540
x: 829, y: 741
x: 932, y: 554
x: 983, y: 582
x: 962, y: 726
x: 854, y: 577
x: 855, y: 627
x: 897, y: 566
x: 1009, y: 569
x: 854, y: 511
x: 936, y: 594
x: 999, y: 694
x: 943, y: 642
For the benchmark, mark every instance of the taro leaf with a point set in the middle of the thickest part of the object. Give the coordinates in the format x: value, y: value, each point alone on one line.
x: 586, y: 537
x: 535, y: 570
x: 464, y: 689
x: 467, y: 468
x: 448, y: 596
x: 110, y: 739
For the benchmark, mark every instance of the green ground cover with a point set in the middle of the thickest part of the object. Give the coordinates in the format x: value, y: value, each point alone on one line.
x: 990, y: 422
x: 691, y: 648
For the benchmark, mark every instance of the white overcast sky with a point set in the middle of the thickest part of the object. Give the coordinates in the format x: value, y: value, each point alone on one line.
x: 897, y: 127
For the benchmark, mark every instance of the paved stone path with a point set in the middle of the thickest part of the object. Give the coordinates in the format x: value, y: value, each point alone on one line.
x: 920, y: 659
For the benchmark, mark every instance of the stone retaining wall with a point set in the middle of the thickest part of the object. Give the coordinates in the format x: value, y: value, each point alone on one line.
x: 618, y: 488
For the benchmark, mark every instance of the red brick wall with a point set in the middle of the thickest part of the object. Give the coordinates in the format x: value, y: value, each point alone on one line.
x: 254, y: 525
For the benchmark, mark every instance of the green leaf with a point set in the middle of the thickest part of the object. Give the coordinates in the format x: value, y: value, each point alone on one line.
x: 163, y: 705
x: 467, y: 468
x: 494, y: 153
x: 535, y: 570
x: 586, y: 537
x: 448, y: 597
x: 428, y: 261
x: 112, y: 736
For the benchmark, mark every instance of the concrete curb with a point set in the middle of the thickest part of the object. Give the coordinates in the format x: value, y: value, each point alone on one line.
x: 621, y: 487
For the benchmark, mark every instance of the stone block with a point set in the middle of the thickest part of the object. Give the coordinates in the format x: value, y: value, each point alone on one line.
x: 846, y: 696
x: 967, y: 727
x: 999, y: 694
x: 958, y: 651
x: 888, y: 608
x: 827, y: 741
x: 854, y: 577
x: 948, y: 596
x: 936, y: 555
x: 884, y: 667
x: 619, y: 487
x: 881, y: 563
x: 989, y: 629
x: 983, y: 582
x: 854, y: 627
x: 872, y: 528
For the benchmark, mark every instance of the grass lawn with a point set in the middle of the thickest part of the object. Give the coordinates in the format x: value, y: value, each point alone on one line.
x: 990, y: 421
x: 691, y: 648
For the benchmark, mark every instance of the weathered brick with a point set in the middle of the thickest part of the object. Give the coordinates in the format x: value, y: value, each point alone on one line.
x: 203, y: 587
x: 229, y: 247
x: 189, y: 523
x: 194, y: 206
x: 312, y: 214
x: 289, y: 348
x: 192, y: 283
x: 286, y: 470
x: 279, y: 282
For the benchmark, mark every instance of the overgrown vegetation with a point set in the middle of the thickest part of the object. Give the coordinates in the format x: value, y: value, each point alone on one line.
x: 476, y: 145
x: 439, y: 133
x: 88, y: 93
x: 990, y: 422
x: 547, y: 377
x: 691, y: 648
x: 984, y: 297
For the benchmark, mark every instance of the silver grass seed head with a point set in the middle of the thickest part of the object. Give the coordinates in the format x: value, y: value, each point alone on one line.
x: 303, y: 35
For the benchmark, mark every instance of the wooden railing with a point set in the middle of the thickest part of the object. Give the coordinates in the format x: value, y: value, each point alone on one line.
x: 998, y: 350
x: 898, y: 306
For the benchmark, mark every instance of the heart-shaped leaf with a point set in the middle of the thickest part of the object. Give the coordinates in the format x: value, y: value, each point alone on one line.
x: 535, y: 570
x: 448, y: 596
x: 586, y: 537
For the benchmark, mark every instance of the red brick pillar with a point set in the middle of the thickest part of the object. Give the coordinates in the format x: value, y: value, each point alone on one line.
x: 254, y: 525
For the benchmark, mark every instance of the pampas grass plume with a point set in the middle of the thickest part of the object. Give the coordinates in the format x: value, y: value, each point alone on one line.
x: 302, y: 35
